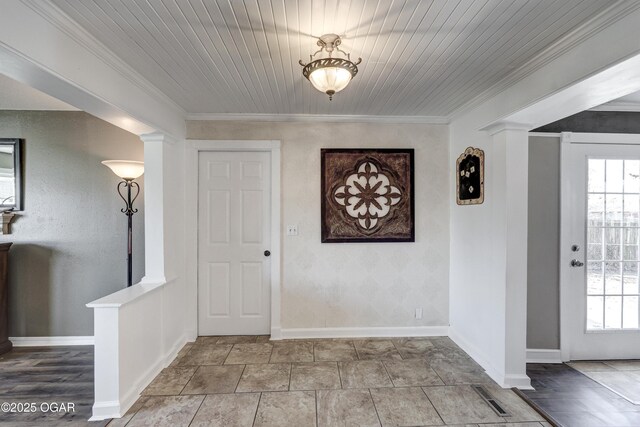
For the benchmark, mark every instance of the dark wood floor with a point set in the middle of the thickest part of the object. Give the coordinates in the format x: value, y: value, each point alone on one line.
x: 47, y: 375
x: 572, y: 399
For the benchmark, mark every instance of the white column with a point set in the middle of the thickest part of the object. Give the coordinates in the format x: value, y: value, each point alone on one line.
x: 510, y: 172
x: 156, y: 146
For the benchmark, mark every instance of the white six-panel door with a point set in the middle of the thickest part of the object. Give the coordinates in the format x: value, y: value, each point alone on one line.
x: 234, y: 205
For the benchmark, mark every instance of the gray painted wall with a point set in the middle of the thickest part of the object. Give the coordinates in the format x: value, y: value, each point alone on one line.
x: 596, y: 122
x: 543, y: 298
x: 70, y: 240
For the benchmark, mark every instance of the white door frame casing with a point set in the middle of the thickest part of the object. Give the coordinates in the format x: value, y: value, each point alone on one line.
x: 193, y: 148
x: 566, y: 203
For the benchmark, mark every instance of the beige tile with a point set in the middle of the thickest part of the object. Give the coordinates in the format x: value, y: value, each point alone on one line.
x: 183, y: 352
x: 206, y: 355
x: 237, y: 339
x: 459, y: 371
x: 314, y: 376
x: 364, y: 374
x: 404, y: 407
x: 124, y: 420
x: 208, y: 340
x: 346, y: 408
x: 334, y: 351
x: 227, y: 410
x: 299, y: 351
x: 460, y: 405
x: 214, y: 379
x: 513, y: 425
x: 242, y: 354
x: 265, y: 377
x: 263, y: 338
x: 519, y: 410
x: 430, y: 348
x: 290, y: 408
x: 170, y: 381
x: 624, y: 383
x: 591, y: 366
x: 376, y: 349
x: 624, y: 365
x: 411, y: 348
x: 412, y: 373
x: 169, y: 411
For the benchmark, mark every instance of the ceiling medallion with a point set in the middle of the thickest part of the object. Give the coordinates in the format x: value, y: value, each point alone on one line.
x: 330, y: 75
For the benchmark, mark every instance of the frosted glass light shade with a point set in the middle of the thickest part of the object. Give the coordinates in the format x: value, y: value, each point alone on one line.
x: 330, y: 79
x: 125, y: 169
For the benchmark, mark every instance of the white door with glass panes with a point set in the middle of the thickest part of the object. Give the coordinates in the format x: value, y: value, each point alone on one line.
x: 604, y: 286
x: 234, y: 237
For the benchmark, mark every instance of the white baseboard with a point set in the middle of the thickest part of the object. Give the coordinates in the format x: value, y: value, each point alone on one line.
x: 402, y: 331
x: 543, y: 355
x: 502, y: 378
x: 50, y: 341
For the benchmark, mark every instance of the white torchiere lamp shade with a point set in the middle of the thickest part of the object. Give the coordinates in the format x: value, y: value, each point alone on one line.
x: 125, y: 169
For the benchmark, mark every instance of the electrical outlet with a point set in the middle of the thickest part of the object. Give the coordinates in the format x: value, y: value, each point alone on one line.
x: 292, y: 230
x: 418, y: 313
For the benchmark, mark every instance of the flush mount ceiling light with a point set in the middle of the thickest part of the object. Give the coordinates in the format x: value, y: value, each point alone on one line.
x: 330, y: 75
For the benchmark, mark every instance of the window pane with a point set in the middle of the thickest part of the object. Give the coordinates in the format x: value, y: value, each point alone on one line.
x: 612, y: 236
x: 631, y: 176
x: 631, y: 206
x: 612, y: 278
x: 630, y: 236
x: 596, y: 175
x: 594, y: 313
x: 595, y: 210
x: 630, y: 253
x: 613, y: 312
x: 613, y: 252
x: 614, y: 176
x: 613, y: 214
x: 594, y: 235
x: 630, y: 277
x: 595, y: 278
x: 594, y: 252
x: 630, y: 312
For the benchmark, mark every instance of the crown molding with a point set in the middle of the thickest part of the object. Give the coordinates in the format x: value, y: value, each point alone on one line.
x: 436, y: 120
x: 633, y: 107
x: 574, y: 37
x: 63, y: 22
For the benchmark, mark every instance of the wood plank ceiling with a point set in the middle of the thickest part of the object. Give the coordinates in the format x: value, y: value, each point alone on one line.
x: 419, y: 57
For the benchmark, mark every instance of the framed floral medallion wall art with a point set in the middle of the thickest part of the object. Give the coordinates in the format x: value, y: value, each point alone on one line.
x: 367, y: 195
x: 470, y: 177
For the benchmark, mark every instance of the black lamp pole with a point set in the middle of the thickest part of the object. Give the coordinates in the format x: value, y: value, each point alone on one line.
x: 128, y: 210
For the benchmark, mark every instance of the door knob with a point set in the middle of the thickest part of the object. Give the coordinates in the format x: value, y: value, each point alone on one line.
x: 576, y: 263
x: 267, y: 253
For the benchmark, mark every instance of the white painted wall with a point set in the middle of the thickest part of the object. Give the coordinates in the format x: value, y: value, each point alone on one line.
x: 356, y: 285
x: 596, y: 70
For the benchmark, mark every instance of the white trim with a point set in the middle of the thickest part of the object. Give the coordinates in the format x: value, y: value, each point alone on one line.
x: 545, y: 134
x: 497, y: 127
x: 543, y: 355
x: 51, y: 341
x: 439, y: 120
x: 633, y: 107
x: 603, y: 138
x: 193, y: 147
x: 565, y: 242
x: 367, y: 332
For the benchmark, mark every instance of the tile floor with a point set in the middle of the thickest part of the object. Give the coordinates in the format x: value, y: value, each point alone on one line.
x: 250, y: 381
x: 620, y: 376
x: 574, y: 400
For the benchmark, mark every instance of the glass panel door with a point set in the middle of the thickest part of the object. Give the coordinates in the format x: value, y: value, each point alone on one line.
x: 613, y: 211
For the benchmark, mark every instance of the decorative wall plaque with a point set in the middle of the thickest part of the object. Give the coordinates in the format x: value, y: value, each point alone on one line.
x: 367, y: 195
x: 470, y: 177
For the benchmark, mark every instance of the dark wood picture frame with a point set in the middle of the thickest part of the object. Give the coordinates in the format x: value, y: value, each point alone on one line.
x: 393, y: 169
x: 17, y: 145
x: 470, y: 177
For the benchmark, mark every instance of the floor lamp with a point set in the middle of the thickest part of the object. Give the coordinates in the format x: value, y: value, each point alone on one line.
x: 128, y: 170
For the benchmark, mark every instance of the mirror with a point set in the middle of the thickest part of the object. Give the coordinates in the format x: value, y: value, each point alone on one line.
x: 10, y: 174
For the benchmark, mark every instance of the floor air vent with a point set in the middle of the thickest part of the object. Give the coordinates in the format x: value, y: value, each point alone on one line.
x: 491, y: 401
